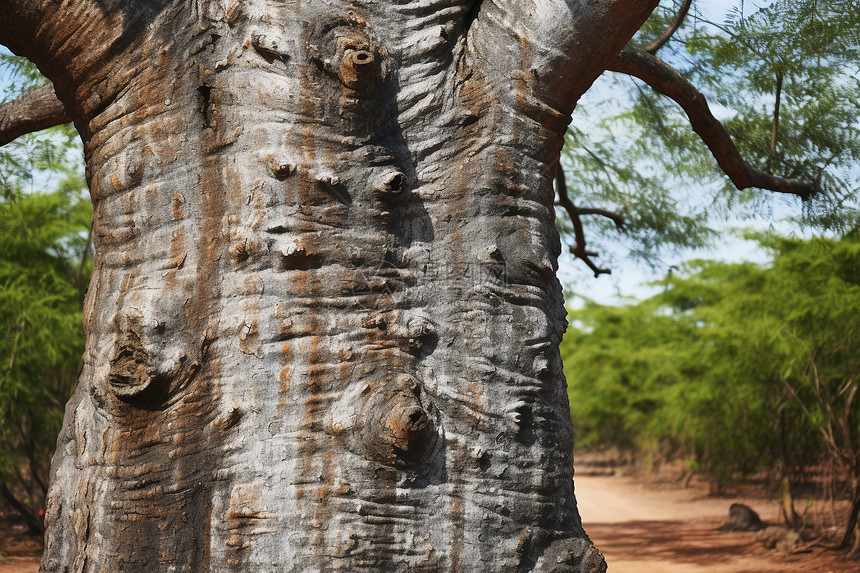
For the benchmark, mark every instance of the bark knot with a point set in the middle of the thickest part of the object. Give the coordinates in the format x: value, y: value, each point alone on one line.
x: 399, y: 430
x: 129, y: 368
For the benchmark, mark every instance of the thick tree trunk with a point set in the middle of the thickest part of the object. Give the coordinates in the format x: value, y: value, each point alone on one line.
x: 324, y: 319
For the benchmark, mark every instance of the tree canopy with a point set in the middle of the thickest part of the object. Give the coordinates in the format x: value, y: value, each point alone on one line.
x: 734, y: 367
x: 783, y: 81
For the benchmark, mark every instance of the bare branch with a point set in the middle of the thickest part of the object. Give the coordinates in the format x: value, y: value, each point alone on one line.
x: 33, y: 111
x: 616, y: 218
x: 578, y: 249
x: 665, y: 80
x: 673, y: 27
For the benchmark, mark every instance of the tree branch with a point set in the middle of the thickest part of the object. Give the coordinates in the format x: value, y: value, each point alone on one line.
x: 670, y: 31
x: 33, y: 111
x: 578, y: 249
x: 665, y: 80
x: 616, y: 218
x: 553, y: 50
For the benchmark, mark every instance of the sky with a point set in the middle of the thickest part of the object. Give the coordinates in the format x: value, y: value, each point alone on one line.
x: 630, y: 278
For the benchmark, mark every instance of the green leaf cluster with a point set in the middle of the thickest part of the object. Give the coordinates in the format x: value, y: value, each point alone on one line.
x: 785, y: 83
x: 738, y: 367
x: 45, y: 265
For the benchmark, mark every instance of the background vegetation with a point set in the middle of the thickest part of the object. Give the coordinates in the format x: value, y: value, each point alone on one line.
x: 734, y: 368
x: 45, y: 264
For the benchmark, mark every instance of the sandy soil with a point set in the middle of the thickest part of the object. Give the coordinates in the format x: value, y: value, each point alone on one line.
x: 640, y: 529
x: 18, y: 552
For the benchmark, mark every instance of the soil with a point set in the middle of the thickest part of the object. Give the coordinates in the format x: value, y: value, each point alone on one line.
x: 640, y: 527
x: 655, y: 528
x: 19, y: 552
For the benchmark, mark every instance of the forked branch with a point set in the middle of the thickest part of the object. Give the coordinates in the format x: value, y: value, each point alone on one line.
x: 670, y: 31
x: 665, y: 80
x: 575, y: 213
x: 33, y: 111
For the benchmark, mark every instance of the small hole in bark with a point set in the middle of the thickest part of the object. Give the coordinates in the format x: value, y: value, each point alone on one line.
x: 299, y: 261
x: 391, y: 184
x: 204, y: 103
x: 469, y: 120
x: 525, y: 423
x: 416, y: 417
x: 282, y: 170
x: 240, y: 253
x: 395, y: 183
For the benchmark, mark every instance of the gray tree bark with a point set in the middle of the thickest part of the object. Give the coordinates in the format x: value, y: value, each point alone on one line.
x: 323, y: 326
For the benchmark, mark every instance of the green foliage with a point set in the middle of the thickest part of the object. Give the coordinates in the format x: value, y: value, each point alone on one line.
x: 632, y: 150
x: 44, y: 269
x: 45, y: 266
x: 738, y: 367
x: 805, y: 52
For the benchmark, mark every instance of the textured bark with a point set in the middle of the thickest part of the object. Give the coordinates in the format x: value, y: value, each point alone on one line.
x: 323, y: 325
x: 37, y: 110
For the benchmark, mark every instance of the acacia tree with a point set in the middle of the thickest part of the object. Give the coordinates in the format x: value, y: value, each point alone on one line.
x: 323, y: 323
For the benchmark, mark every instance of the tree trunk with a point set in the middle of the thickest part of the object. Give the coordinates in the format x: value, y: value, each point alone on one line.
x: 323, y: 324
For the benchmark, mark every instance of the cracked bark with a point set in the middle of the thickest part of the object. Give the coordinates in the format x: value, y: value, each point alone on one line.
x: 323, y: 324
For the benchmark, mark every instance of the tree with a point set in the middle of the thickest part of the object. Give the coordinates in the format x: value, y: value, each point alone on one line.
x: 738, y: 367
x: 784, y: 78
x: 44, y: 268
x: 323, y: 322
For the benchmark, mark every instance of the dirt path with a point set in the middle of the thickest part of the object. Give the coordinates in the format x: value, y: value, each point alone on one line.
x: 18, y: 552
x: 646, y: 530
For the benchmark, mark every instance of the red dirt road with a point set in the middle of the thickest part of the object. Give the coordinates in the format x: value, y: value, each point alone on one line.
x: 641, y: 529
x: 18, y: 552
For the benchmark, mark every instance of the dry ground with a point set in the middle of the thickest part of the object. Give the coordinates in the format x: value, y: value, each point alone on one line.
x: 649, y: 529
x: 19, y: 553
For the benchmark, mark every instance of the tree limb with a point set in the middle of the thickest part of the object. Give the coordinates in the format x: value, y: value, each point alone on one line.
x: 665, y: 80
x: 578, y: 249
x: 553, y: 50
x: 33, y: 111
x: 617, y: 218
x: 670, y: 31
